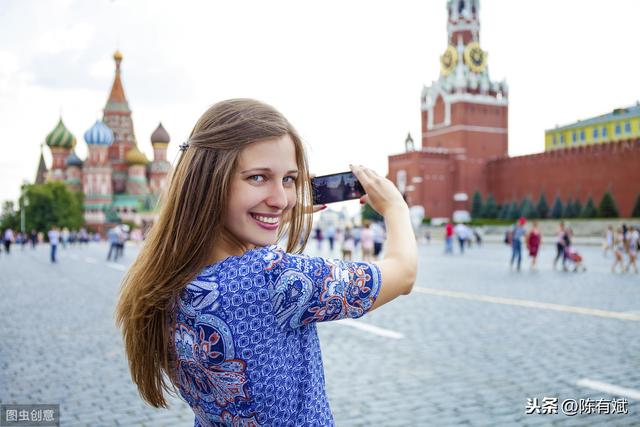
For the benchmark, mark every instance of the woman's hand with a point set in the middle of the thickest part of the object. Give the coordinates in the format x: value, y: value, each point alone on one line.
x: 382, y: 194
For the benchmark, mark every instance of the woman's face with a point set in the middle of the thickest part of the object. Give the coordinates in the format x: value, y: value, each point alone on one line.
x: 262, y: 191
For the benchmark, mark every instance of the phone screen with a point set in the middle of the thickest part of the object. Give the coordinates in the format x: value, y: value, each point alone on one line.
x: 336, y: 188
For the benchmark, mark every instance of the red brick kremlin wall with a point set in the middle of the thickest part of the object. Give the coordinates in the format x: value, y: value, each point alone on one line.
x: 573, y: 172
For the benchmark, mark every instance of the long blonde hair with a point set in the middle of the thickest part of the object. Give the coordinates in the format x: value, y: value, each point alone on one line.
x: 183, y: 238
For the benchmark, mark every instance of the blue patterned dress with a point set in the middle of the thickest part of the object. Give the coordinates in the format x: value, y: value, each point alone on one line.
x: 246, y: 343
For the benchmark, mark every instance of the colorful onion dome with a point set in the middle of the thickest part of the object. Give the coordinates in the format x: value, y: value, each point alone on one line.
x: 60, y: 137
x: 160, y: 135
x: 73, y: 160
x: 136, y: 157
x: 99, y: 134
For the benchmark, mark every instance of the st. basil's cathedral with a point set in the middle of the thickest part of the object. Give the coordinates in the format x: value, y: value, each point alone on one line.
x: 464, y: 138
x: 119, y: 183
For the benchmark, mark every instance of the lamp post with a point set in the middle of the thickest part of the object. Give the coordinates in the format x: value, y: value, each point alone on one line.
x: 24, y: 202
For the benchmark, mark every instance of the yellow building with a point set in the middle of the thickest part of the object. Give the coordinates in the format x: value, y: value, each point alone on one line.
x: 620, y: 124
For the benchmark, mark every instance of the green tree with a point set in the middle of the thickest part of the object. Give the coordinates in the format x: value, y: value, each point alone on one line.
x: 636, y: 209
x: 489, y: 208
x: 567, y: 212
x: 607, y: 207
x: 476, y: 205
x: 514, y: 210
x: 369, y: 214
x: 9, y: 217
x: 589, y: 210
x: 556, y: 209
x: 542, y: 207
x: 527, y: 209
x: 577, y: 208
x: 52, y: 203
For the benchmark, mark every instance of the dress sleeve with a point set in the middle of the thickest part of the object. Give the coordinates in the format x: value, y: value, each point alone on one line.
x: 305, y: 290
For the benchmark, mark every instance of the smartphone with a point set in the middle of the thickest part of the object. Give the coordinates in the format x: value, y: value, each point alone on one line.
x: 336, y: 187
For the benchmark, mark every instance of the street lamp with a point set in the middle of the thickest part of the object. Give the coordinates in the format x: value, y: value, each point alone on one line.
x: 24, y: 202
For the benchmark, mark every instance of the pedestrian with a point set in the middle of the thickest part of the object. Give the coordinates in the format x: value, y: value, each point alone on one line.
x: 319, y: 237
x: 517, y: 234
x: 561, y: 237
x: 8, y: 239
x: 366, y: 240
x: 54, y: 238
x: 633, y: 237
x: 534, y: 239
x: 123, y: 234
x: 64, y: 237
x: 378, y: 238
x: 348, y: 244
x: 608, y: 241
x: 34, y: 238
x: 331, y: 236
x: 618, y: 251
x: 213, y: 309
x: 113, y: 236
x: 478, y: 236
x: 461, y: 233
x: 448, y: 238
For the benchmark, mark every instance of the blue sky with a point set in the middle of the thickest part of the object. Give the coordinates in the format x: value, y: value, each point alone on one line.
x: 348, y: 75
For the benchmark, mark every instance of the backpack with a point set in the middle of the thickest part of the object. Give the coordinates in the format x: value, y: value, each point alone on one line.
x: 508, y: 237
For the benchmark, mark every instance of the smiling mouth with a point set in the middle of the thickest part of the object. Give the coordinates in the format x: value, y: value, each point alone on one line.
x: 268, y: 222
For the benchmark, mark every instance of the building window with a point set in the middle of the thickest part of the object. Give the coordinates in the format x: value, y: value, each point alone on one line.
x: 554, y: 140
x: 581, y: 135
x: 562, y: 139
x: 627, y: 127
x: 595, y: 133
x: 604, y: 132
x: 573, y: 137
x: 618, y: 129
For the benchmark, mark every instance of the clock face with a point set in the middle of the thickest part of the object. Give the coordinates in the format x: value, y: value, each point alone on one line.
x: 475, y: 57
x: 448, y: 60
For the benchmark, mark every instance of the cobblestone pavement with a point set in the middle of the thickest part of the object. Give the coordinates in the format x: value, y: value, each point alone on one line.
x: 469, y: 346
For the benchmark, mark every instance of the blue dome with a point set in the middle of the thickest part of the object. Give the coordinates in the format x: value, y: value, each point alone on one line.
x: 99, y: 134
x: 73, y: 160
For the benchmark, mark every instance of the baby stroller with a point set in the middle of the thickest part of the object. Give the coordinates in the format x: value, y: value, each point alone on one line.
x: 574, y: 258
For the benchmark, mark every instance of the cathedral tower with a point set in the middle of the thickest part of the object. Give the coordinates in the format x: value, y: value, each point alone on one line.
x: 160, y: 167
x: 96, y: 176
x: 61, y: 142
x: 117, y: 116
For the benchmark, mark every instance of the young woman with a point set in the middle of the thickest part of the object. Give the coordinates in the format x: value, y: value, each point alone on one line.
x: 534, y: 238
x: 212, y: 308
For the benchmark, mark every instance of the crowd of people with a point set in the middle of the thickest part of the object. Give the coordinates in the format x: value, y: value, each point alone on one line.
x: 368, y: 238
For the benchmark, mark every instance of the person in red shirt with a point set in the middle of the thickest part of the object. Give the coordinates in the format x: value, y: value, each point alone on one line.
x: 448, y: 238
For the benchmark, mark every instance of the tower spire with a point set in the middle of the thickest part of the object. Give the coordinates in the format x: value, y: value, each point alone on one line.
x: 117, y: 100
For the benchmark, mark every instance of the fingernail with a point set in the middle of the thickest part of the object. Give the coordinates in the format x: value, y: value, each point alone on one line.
x: 362, y: 202
x: 323, y: 207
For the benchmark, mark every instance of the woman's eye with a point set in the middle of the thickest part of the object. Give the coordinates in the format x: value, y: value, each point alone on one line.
x: 256, y: 178
x: 289, y: 179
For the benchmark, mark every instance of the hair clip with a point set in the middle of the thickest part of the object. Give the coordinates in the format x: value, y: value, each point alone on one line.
x: 184, y: 146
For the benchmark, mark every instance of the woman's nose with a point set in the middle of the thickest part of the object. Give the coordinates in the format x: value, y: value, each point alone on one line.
x: 277, y: 197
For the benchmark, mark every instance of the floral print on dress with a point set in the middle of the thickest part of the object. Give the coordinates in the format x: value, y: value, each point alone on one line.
x: 245, y: 338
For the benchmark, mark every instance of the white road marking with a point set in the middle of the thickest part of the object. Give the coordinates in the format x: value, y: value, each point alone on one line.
x: 531, y: 304
x: 611, y: 389
x: 116, y: 266
x: 90, y: 260
x: 371, y: 329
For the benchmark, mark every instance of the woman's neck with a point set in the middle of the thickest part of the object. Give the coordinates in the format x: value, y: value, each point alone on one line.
x: 226, y: 247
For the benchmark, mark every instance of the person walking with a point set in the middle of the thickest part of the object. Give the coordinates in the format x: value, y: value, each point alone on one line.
x: 366, y: 241
x: 619, y: 249
x: 448, y: 238
x: 113, y: 236
x: 331, y: 236
x: 54, y: 238
x: 214, y: 310
x: 517, y: 235
x: 608, y: 241
x: 8, y: 239
x: 633, y: 237
x: 378, y: 238
x: 348, y: 244
x: 534, y: 239
x: 64, y: 237
x: 461, y: 233
x: 34, y: 238
x: 561, y: 237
